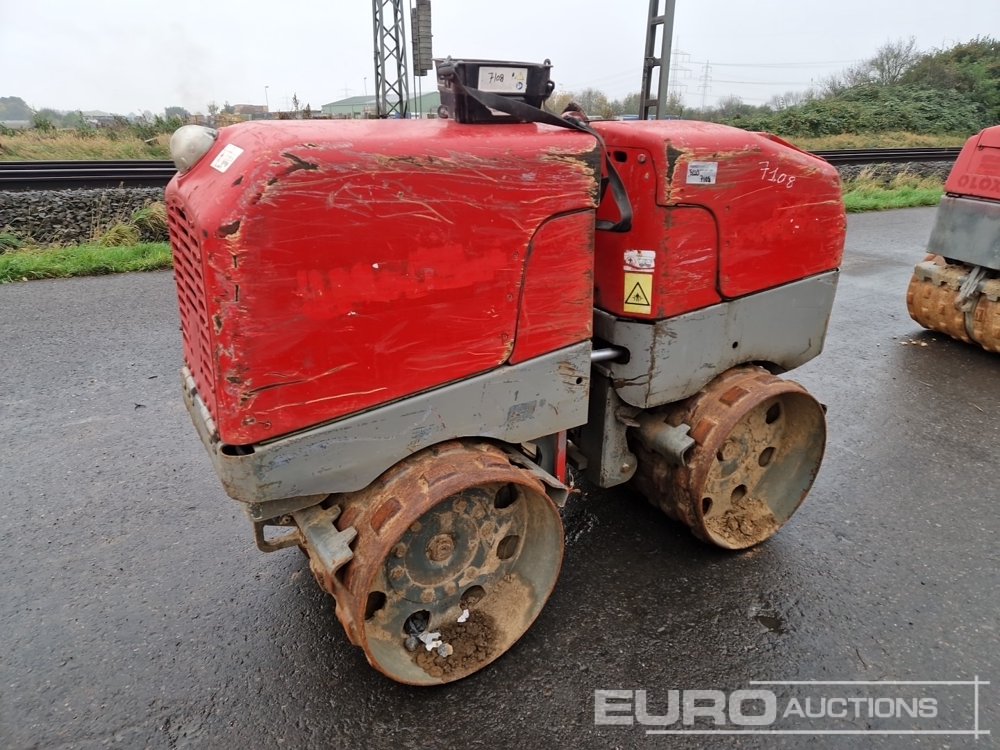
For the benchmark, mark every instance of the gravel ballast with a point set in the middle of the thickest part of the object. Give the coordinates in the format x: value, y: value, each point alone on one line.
x: 67, y: 217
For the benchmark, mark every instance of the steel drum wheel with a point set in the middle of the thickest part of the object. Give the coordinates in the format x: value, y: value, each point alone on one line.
x: 451, y: 528
x: 986, y: 319
x: 759, y: 442
x: 932, y: 300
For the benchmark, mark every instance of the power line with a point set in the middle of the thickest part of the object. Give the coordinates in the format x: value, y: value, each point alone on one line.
x: 764, y: 83
x: 705, y: 77
x: 786, y: 64
x: 701, y: 63
x: 678, y: 68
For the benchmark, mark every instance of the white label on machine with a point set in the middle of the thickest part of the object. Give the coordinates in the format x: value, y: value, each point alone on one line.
x: 225, y: 158
x: 643, y: 261
x: 503, y: 80
x: 702, y: 172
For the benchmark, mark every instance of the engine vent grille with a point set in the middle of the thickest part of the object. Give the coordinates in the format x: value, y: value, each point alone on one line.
x: 189, y: 276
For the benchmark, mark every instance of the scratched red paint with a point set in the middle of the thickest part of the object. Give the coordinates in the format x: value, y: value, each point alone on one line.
x: 685, y: 240
x: 348, y: 264
x: 557, y: 299
x: 777, y: 211
x: 977, y: 169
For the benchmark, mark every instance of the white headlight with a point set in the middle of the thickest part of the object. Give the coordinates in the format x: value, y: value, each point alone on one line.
x: 189, y: 143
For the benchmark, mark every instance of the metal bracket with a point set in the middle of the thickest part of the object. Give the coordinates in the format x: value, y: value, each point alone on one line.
x: 264, y: 544
x: 673, y: 443
x: 264, y: 512
x: 968, y: 293
x: 556, y: 490
x: 329, y: 547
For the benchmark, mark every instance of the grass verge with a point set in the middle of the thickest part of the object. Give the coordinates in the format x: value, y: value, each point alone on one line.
x: 83, y: 260
x: 869, y: 193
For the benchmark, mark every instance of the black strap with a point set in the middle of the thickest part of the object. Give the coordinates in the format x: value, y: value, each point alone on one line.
x: 526, y: 113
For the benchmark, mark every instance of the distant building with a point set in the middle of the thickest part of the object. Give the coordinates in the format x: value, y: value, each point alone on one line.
x: 358, y: 107
x: 352, y: 107
x: 426, y: 105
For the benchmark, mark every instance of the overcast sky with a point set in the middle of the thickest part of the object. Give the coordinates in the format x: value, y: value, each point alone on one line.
x: 134, y: 55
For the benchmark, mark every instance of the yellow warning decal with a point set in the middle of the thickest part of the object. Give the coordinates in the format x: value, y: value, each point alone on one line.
x: 638, y: 293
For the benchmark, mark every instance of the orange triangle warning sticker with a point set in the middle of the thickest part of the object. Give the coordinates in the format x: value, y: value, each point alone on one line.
x: 637, y: 296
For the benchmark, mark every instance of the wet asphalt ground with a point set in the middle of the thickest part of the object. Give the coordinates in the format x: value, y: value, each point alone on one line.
x: 136, y: 612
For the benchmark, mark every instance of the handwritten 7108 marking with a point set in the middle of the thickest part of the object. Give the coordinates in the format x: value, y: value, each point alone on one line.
x: 773, y: 175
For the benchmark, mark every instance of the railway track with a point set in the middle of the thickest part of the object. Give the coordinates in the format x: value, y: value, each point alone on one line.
x: 845, y: 157
x: 56, y: 175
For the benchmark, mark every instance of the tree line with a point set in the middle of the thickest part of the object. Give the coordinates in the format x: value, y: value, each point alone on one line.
x: 944, y: 91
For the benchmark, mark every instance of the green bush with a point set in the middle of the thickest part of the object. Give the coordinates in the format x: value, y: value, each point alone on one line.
x: 42, y: 123
x: 971, y: 69
x: 875, y: 109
